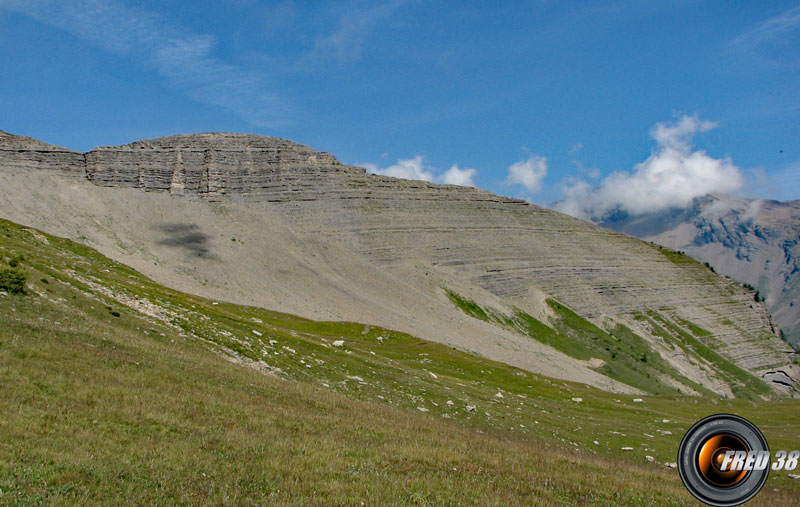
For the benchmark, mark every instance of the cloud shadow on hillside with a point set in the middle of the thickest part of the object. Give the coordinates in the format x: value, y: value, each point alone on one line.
x: 188, y: 237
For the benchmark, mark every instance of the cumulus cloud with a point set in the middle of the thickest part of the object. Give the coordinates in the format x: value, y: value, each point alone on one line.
x: 456, y: 176
x: 673, y: 175
x: 528, y: 173
x: 407, y: 169
x: 415, y: 169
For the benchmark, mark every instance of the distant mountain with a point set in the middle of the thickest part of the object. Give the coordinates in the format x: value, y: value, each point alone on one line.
x: 754, y: 241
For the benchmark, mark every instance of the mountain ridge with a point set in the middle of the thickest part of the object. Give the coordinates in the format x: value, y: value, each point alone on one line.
x: 291, y: 229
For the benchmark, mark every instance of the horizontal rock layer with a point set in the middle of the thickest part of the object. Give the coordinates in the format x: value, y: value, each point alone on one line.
x: 27, y: 153
x: 209, y: 164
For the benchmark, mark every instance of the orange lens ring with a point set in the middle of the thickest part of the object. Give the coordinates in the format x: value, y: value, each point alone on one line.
x: 710, y: 452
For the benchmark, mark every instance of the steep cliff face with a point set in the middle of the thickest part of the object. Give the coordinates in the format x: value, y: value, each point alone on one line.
x: 209, y: 164
x: 756, y: 242
x: 272, y: 223
x: 19, y: 152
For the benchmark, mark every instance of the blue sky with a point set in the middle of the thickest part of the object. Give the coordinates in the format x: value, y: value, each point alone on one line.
x: 540, y: 100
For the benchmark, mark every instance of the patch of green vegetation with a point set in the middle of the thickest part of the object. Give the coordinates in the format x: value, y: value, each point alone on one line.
x: 627, y: 357
x: 200, y: 401
x: 743, y: 384
x: 694, y: 328
x: 676, y: 257
x: 12, y: 281
x: 467, y: 306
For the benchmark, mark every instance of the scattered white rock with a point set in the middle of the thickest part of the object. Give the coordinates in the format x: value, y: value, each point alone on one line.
x: 380, y: 338
x: 357, y: 379
x: 499, y: 395
x: 338, y: 343
x: 671, y: 465
x: 446, y: 416
x: 257, y: 321
x: 627, y: 448
x: 433, y: 375
x: 793, y: 476
x: 450, y: 403
x: 577, y: 400
x: 665, y: 421
x: 422, y: 409
x: 596, y: 442
x: 214, y: 303
x: 638, y: 400
x: 289, y: 349
x: 257, y: 333
x: 470, y: 408
x: 649, y: 458
x: 273, y: 342
x: 648, y: 435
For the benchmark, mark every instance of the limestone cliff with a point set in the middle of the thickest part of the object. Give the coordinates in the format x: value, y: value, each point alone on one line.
x: 26, y: 153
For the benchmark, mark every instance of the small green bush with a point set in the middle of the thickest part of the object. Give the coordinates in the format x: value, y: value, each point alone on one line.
x: 12, y: 281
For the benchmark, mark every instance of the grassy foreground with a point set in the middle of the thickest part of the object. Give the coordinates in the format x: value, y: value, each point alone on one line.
x: 114, y: 390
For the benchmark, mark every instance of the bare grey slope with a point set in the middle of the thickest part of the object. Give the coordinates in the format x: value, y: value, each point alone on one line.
x: 272, y: 223
x: 753, y: 241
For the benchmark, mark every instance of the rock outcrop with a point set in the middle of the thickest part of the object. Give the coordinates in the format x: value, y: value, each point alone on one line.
x: 31, y: 154
x: 272, y: 223
x: 210, y: 164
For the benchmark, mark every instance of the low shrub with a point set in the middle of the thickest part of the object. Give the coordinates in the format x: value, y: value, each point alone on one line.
x: 12, y: 281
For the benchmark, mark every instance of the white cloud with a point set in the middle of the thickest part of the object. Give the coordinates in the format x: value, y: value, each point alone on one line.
x: 456, y: 176
x: 672, y: 176
x: 528, y: 173
x: 407, y: 169
x: 415, y: 169
x: 182, y: 57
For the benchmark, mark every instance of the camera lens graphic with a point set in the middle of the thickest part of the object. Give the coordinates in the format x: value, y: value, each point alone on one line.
x: 712, y: 455
x: 702, y: 454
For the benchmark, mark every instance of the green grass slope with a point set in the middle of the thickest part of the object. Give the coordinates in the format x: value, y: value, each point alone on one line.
x: 115, y: 390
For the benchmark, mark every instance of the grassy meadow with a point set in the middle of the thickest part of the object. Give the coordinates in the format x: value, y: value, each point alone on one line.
x: 116, y: 390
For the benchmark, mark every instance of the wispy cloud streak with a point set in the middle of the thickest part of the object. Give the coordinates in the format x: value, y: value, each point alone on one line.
x: 772, y: 40
x: 771, y: 29
x: 345, y: 44
x: 182, y: 57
